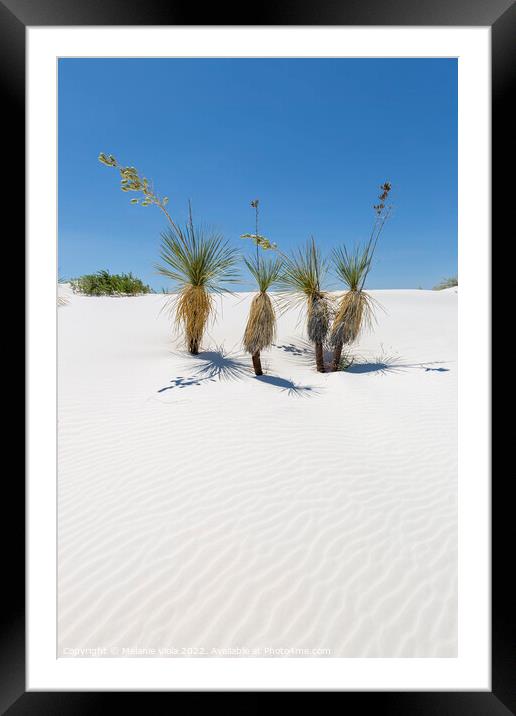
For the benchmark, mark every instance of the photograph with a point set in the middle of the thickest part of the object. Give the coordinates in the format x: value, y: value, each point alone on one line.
x: 258, y: 436
x: 257, y: 366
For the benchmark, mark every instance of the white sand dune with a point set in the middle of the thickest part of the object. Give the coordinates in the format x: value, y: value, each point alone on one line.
x: 64, y: 293
x: 299, y: 514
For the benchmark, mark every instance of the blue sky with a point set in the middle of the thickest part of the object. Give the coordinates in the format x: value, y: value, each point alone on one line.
x: 311, y: 138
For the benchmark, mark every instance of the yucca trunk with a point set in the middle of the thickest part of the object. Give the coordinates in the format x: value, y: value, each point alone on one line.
x: 317, y: 327
x: 193, y: 346
x: 257, y: 363
x: 194, y: 331
x: 319, y: 357
x: 337, y: 354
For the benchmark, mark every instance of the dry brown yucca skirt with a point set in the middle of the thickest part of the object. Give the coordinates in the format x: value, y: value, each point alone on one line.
x: 318, y: 317
x: 261, y: 324
x: 354, y: 311
x: 193, y: 307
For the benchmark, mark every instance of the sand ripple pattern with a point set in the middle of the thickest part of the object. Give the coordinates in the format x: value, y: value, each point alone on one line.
x: 201, y: 510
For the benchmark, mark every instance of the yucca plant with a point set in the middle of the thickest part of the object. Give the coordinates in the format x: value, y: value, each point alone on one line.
x: 356, y: 307
x: 260, y: 329
x: 302, y: 277
x: 199, y: 263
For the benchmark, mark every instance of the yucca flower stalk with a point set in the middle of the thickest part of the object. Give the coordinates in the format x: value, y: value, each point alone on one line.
x: 260, y: 329
x: 130, y: 180
x: 356, y: 307
x: 199, y: 263
x: 302, y: 278
x: 261, y: 242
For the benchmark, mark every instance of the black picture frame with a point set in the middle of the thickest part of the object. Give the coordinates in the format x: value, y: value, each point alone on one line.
x: 15, y: 16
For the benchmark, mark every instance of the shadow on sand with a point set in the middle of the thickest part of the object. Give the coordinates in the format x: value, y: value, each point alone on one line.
x: 210, y: 366
x: 288, y: 386
x: 391, y: 364
x: 218, y: 365
x: 304, y: 352
x: 383, y: 363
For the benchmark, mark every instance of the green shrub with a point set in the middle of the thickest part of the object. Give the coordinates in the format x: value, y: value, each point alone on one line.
x: 103, y: 283
x: 446, y: 283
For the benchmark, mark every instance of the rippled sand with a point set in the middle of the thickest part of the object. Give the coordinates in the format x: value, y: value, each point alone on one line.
x: 204, y: 512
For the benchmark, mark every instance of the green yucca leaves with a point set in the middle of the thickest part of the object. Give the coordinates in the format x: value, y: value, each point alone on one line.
x: 266, y: 273
x: 304, y: 271
x: 353, y: 266
x: 199, y: 264
x: 192, y: 257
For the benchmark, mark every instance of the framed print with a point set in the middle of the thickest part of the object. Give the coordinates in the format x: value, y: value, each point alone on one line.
x: 257, y: 268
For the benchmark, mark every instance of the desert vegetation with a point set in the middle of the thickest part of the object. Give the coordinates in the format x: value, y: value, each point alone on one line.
x: 103, y: 283
x: 260, y: 329
x: 302, y: 279
x: 447, y: 283
x: 356, y: 307
x: 200, y: 264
